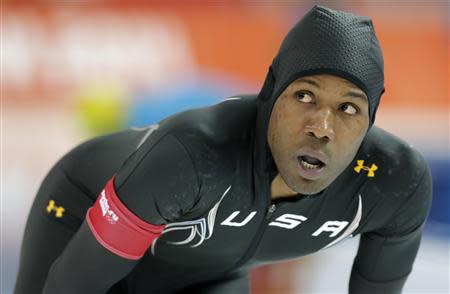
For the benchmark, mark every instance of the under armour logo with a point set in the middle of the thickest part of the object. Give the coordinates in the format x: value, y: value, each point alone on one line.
x: 59, y: 210
x: 370, y: 170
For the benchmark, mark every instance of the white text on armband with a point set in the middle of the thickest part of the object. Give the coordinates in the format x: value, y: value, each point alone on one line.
x: 110, y: 215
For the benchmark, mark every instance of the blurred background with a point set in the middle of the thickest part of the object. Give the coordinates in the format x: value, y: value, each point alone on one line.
x: 71, y: 70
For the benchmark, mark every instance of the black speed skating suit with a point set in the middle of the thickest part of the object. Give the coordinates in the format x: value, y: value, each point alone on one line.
x: 200, y: 172
x: 206, y: 173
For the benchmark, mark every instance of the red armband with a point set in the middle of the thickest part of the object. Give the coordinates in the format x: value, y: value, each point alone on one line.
x: 117, y: 228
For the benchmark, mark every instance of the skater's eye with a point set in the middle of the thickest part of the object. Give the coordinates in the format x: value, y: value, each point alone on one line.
x: 349, y: 108
x: 304, y: 96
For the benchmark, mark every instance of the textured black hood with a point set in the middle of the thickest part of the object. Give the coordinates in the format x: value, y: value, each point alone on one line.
x: 324, y: 41
x: 333, y: 42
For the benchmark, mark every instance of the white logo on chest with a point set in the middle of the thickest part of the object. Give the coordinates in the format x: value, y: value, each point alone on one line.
x: 290, y: 221
x: 229, y: 222
x: 202, y: 228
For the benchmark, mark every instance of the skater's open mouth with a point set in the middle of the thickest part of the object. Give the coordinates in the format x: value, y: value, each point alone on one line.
x: 310, y: 162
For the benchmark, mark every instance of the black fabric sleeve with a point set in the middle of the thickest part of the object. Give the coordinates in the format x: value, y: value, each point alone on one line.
x: 64, y: 196
x: 86, y: 266
x: 383, y: 263
x: 385, y: 258
x: 158, y: 183
x: 46, y: 235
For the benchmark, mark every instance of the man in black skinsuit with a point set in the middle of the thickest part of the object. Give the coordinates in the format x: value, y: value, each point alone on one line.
x: 193, y: 203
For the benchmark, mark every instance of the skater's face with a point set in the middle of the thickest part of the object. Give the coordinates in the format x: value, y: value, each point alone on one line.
x: 315, y: 129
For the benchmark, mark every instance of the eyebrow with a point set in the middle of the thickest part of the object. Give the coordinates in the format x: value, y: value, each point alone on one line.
x: 356, y: 95
x: 308, y: 81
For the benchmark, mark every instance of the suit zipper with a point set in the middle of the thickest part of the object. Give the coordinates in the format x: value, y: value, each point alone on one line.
x: 270, y: 211
x: 262, y: 228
